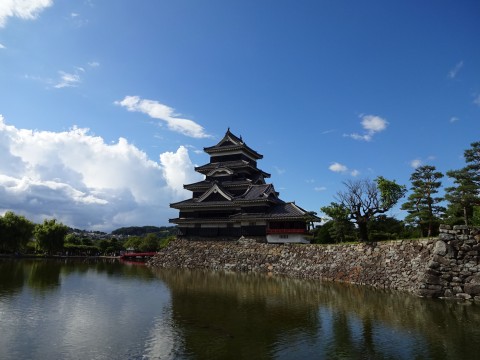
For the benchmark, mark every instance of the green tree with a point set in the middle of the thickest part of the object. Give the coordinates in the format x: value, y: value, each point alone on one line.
x: 472, y: 158
x: 476, y: 216
x: 422, y: 204
x: 50, y: 235
x: 340, y: 227
x: 383, y: 227
x: 150, y: 243
x: 463, y: 196
x: 103, y: 245
x: 73, y: 239
x: 365, y: 199
x: 15, y: 232
x: 322, y: 233
x: 133, y: 242
x: 87, y: 241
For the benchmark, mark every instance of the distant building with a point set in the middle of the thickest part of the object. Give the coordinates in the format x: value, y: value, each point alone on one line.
x: 234, y: 200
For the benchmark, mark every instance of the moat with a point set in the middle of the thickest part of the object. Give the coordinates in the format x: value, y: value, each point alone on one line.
x: 105, y: 309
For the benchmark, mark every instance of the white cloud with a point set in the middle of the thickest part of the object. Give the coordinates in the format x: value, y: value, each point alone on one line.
x: 372, y: 124
x: 23, y: 9
x: 416, y: 163
x: 337, y: 167
x: 320, y: 188
x: 279, y: 171
x: 159, y: 111
x: 364, y: 137
x: 68, y: 80
x: 65, y: 79
x: 452, y: 74
x: 178, y: 170
x: 86, y: 183
x: 340, y: 168
x: 2, y: 46
x: 454, y: 119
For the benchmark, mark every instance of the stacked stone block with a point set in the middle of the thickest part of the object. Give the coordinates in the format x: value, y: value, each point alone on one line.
x: 447, y: 267
x: 454, y: 269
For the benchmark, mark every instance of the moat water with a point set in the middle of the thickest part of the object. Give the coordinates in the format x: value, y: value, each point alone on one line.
x: 103, y: 309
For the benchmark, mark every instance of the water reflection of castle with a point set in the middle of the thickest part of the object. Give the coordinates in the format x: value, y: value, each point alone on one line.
x: 250, y: 316
x: 235, y: 316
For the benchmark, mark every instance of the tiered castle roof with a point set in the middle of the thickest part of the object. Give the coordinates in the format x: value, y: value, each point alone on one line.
x: 234, y: 189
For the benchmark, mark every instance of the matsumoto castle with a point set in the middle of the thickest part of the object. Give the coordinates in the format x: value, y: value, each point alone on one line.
x: 234, y: 200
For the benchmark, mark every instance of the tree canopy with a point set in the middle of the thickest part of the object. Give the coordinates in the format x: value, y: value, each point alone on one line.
x: 422, y: 204
x: 144, y: 230
x: 50, y: 236
x: 464, y: 196
x: 364, y: 199
x: 15, y: 232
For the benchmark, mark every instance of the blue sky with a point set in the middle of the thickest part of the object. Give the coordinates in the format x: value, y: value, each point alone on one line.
x: 106, y: 105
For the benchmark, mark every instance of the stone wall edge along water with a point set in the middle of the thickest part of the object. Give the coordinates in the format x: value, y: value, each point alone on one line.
x: 447, y: 266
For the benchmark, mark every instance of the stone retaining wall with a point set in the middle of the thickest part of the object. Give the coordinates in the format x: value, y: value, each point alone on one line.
x: 444, y: 267
x: 395, y: 265
x: 454, y: 269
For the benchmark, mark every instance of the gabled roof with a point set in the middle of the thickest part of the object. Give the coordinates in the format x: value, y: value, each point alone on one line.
x: 259, y: 192
x: 206, y: 184
x: 254, y: 195
x: 230, y: 143
x: 289, y: 209
x: 281, y: 211
x: 216, y: 189
x: 220, y: 171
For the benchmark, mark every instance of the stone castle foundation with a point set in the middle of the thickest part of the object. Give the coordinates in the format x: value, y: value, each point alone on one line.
x: 447, y: 266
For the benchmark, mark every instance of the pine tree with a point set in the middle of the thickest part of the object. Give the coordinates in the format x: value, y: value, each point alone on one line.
x: 463, y: 197
x: 422, y: 205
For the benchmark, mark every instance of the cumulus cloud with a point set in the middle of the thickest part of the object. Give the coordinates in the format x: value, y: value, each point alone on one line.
x: 86, y: 183
x: 340, y: 168
x: 162, y: 112
x: 23, y: 9
x: 178, y: 170
x: 452, y: 74
x: 337, y: 167
x: 372, y: 124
